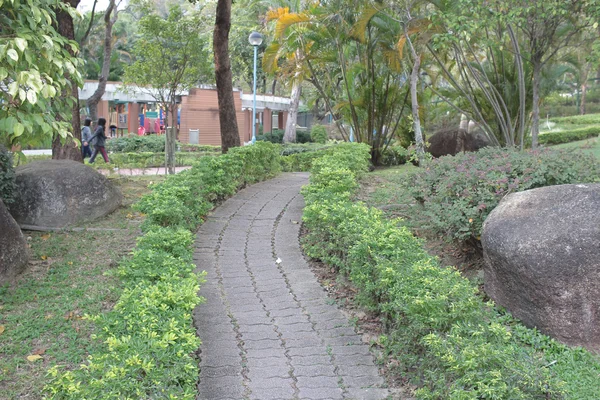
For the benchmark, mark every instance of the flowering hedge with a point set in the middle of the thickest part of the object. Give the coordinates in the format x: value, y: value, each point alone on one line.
x: 149, y: 338
x: 458, y: 192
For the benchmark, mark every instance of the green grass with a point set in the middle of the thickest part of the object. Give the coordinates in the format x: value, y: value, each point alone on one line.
x: 43, y: 310
x: 591, y: 146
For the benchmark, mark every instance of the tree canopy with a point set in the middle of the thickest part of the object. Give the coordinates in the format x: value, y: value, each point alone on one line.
x: 34, y: 66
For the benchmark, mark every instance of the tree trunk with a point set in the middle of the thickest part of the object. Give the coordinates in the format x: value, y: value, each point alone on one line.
x: 95, y: 98
x: 69, y: 150
x: 170, y: 137
x: 535, y: 110
x: 230, y: 136
x: 289, y: 135
x: 584, y: 79
x: 414, y: 77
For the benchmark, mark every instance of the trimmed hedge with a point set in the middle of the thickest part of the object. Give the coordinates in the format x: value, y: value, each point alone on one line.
x: 150, y: 341
x: 588, y: 119
x: 570, y: 135
x: 135, y: 143
x: 451, y: 343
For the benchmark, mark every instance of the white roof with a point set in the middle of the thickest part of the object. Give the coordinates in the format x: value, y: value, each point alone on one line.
x: 117, y: 91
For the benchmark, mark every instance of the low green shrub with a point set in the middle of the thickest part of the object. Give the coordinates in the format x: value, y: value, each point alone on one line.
x: 439, y: 331
x: 149, y: 337
x: 200, y: 148
x: 458, y: 192
x: 274, y: 137
x: 318, y: 134
x: 570, y: 135
x: 588, y: 119
x: 7, y: 176
x: 135, y: 143
x: 303, y: 137
x: 394, y: 155
x: 149, y: 160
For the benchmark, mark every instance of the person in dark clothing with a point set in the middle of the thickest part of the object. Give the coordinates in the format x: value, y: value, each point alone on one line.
x: 100, y: 136
x: 86, y: 136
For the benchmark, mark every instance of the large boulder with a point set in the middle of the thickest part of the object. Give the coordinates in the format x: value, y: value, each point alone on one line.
x: 58, y: 193
x: 13, y: 246
x: 542, y: 260
x: 454, y: 141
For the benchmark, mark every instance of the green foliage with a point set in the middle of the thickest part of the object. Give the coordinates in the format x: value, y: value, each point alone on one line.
x: 588, y: 119
x: 149, y: 337
x: 394, y: 155
x: 170, y: 55
x: 35, y: 68
x: 570, y: 135
x: 458, y: 193
x: 135, y: 143
x: 440, y: 332
x: 318, y: 134
x: 274, y: 137
x: 7, y: 176
x: 303, y: 137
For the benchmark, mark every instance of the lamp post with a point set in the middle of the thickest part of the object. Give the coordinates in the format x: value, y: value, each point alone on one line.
x: 255, y: 40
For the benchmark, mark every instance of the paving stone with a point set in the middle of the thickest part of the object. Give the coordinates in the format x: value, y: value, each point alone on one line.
x: 216, y: 360
x: 262, y: 344
x: 273, y: 305
x: 307, y: 351
x: 227, y: 387
x: 320, y: 393
x: 314, y: 382
x: 309, y: 341
x: 355, y: 359
x: 215, y: 372
x: 278, y: 393
x: 262, y: 335
x: 367, y: 394
x: 280, y: 362
x: 350, y: 350
x: 314, y: 370
x: 364, y: 381
x: 266, y: 372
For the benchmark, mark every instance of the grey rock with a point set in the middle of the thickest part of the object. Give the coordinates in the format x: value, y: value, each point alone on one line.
x: 13, y: 246
x: 58, y: 193
x: 454, y: 141
x: 542, y: 260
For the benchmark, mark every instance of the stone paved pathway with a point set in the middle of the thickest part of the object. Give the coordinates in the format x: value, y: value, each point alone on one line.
x: 268, y: 329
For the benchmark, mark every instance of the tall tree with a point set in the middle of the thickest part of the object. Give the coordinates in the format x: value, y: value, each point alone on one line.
x: 289, y: 45
x: 230, y: 136
x: 34, y: 63
x: 548, y: 26
x: 170, y: 57
x: 69, y: 148
x: 110, y: 17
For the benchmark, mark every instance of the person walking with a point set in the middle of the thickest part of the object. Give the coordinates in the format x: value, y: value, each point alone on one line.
x: 86, y: 137
x: 100, y: 136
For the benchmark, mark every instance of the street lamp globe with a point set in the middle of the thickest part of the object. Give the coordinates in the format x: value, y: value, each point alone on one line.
x: 255, y: 39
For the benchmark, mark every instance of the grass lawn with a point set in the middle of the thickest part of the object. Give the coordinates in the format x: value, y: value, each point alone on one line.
x: 42, y: 312
x: 591, y: 146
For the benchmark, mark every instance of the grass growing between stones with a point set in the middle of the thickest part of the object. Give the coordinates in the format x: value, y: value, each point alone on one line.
x: 42, y: 312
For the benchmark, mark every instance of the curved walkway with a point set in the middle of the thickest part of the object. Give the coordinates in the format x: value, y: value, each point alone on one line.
x: 267, y: 327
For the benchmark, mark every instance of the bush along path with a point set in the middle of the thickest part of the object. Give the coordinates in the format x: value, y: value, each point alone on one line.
x: 146, y: 343
x: 267, y: 329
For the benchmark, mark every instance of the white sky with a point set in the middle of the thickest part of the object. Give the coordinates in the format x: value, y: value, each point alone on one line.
x: 86, y: 5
